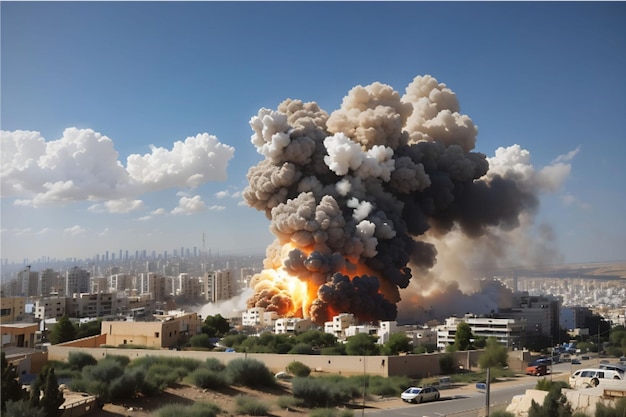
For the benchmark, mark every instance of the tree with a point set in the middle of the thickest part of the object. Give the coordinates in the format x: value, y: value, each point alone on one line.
x: 215, y: 326
x: 495, y: 355
x: 463, y: 336
x: 90, y: 328
x: 22, y: 409
x: 398, y: 342
x: 63, y: 331
x: 317, y: 339
x: 45, y: 392
x: 11, y: 387
x: 554, y: 405
x: 361, y: 344
x: 200, y: 341
x: 446, y: 363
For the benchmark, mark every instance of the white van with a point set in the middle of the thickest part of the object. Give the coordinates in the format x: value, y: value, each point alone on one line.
x: 592, y: 377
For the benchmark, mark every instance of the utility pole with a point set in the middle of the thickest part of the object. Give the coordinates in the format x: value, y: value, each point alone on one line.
x: 488, y: 388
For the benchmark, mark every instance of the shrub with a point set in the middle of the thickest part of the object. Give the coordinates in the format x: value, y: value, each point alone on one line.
x: 163, y: 376
x: 250, y: 406
x: 446, y: 363
x: 127, y: 385
x: 298, y: 369
x: 121, y: 359
x: 619, y: 410
x: 250, y: 373
x: 322, y: 392
x: 199, y: 409
x: 206, y: 378
x: 501, y: 413
x: 78, y: 360
x: 387, y: 387
x: 331, y: 412
x: 200, y: 341
x: 288, y: 401
x: 214, y: 365
x: 22, y: 409
x: 301, y: 349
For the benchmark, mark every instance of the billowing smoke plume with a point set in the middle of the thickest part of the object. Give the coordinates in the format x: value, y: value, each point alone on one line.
x: 359, y: 198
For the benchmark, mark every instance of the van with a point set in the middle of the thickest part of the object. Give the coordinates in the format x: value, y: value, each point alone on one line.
x: 592, y: 377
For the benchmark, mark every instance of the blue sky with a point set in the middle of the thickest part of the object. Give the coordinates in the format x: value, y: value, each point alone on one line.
x: 548, y: 77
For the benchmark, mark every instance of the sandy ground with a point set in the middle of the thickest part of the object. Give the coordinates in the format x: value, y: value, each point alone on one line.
x: 186, y: 394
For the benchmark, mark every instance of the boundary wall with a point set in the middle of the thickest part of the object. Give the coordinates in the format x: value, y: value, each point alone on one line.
x: 413, y: 366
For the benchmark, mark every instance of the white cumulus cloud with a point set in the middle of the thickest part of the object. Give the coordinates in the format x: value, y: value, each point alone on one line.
x: 190, y: 205
x: 83, y: 165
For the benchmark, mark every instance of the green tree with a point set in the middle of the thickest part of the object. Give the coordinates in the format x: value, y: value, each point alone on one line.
x: 11, y: 387
x: 495, y: 355
x: 446, y: 363
x: 463, y: 336
x: 361, y: 344
x: 63, y: 331
x: 398, y: 342
x: 317, y: 339
x: 90, y: 328
x: 200, y: 341
x: 45, y: 392
x: 554, y: 405
x: 215, y: 326
x: 22, y: 409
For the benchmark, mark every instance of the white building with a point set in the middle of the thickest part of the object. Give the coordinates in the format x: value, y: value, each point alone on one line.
x: 257, y: 316
x: 508, y: 332
x: 339, y: 324
x: 292, y: 325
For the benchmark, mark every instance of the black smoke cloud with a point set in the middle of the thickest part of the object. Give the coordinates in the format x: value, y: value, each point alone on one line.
x: 358, y: 198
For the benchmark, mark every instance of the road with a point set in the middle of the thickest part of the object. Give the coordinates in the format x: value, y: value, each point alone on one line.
x: 467, y: 401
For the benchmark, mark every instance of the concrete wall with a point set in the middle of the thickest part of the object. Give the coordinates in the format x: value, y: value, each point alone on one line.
x: 414, y: 366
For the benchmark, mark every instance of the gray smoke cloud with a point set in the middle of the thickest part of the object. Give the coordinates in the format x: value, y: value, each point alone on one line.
x: 363, y: 200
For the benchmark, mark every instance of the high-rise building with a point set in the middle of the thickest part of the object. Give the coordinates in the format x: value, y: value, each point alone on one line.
x: 49, y: 282
x: 76, y: 281
x: 219, y: 285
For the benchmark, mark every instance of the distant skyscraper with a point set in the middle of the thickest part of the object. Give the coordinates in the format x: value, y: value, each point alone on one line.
x: 76, y: 281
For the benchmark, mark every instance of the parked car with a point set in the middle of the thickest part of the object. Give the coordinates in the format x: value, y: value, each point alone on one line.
x: 592, y: 377
x: 575, y: 362
x: 419, y: 395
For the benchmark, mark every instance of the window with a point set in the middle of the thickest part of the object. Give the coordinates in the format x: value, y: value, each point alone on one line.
x: 156, y: 334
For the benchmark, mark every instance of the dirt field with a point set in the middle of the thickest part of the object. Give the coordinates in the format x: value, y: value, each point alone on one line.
x: 186, y: 394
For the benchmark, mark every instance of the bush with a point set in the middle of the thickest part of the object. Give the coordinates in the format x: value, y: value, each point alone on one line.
x: 322, y: 392
x: 206, y: 378
x: 22, y: 409
x: 298, y: 369
x: 446, y: 363
x: 603, y: 410
x: 214, y: 365
x: 330, y: 412
x: 198, y: 409
x: 501, y: 413
x: 387, y: 387
x: 250, y: 406
x: 78, y: 360
x: 200, y: 341
x: 302, y: 349
x: 288, y: 402
x: 250, y: 373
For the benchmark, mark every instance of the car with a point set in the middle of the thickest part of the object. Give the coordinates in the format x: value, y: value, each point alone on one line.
x: 575, y: 362
x: 537, y: 369
x: 420, y: 394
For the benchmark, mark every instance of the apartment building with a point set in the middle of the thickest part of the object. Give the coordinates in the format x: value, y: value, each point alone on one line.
x: 508, y: 332
x: 50, y: 308
x: 292, y: 325
x: 77, y: 281
x: 166, y: 329
x: 91, y: 305
x: 339, y: 324
x: 11, y: 308
x: 257, y: 316
x: 219, y: 285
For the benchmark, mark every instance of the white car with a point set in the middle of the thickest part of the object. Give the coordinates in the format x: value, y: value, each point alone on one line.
x: 419, y: 395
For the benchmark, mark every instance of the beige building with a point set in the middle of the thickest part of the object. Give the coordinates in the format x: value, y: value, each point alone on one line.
x: 339, y: 324
x: 21, y: 335
x: 219, y: 285
x: 91, y: 305
x: 257, y: 316
x: 292, y: 325
x: 49, y: 308
x: 166, y: 330
x: 11, y: 308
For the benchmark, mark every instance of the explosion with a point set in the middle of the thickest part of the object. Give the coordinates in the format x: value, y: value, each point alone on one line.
x: 358, y: 198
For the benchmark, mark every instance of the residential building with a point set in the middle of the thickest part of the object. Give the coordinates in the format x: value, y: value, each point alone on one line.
x: 77, y: 281
x: 11, y: 308
x: 257, y: 316
x: 219, y: 285
x: 508, y: 332
x: 292, y: 325
x: 50, y: 282
x: 19, y: 334
x: 167, y: 329
x: 540, y: 312
x: 339, y: 324
x: 50, y: 307
x: 91, y: 305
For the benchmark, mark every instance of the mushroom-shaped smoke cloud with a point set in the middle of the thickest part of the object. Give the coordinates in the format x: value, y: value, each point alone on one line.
x: 352, y: 195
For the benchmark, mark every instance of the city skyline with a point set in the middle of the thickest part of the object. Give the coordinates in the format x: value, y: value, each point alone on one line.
x: 137, y: 137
